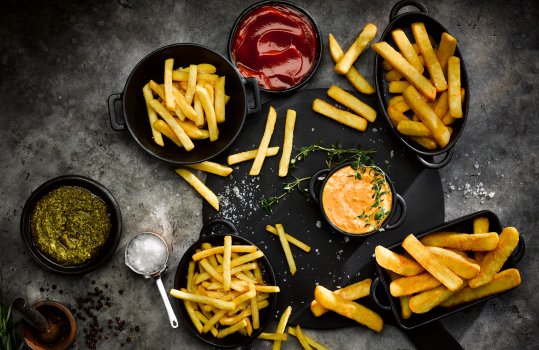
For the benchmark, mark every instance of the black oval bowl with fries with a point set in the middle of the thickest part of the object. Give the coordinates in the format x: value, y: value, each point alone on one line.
x: 134, y: 116
x: 463, y: 224
x: 207, y: 235
x: 434, y: 29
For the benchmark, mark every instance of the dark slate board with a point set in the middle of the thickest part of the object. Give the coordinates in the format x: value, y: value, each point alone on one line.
x: 334, y: 260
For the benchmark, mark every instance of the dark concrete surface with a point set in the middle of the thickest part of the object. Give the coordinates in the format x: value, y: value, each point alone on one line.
x: 60, y: 60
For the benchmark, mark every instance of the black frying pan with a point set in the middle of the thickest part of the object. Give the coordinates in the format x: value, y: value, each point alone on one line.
x: 435, y: 29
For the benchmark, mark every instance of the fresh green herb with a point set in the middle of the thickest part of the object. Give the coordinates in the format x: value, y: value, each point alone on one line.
x: 9, y: 340
x: 268, y: 202
x: 380, y: 213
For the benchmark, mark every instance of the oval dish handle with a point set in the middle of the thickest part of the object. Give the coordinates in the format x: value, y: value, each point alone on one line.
x: 314, y: 182
x: 398, y: 6
x: 252, y: 83
x: 400, y: 220
x: 439, y: 165
x: 206, y: 228
x: 374, y: 296
x: 518, y: 254
x: 116, y: 126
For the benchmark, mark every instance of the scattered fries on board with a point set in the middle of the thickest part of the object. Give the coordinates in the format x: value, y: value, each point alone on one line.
x: 285, y: 239
x: 225, y: 289
x: 452, y: 276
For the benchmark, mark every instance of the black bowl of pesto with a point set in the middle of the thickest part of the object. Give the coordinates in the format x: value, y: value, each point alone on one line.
x: 71, y: 225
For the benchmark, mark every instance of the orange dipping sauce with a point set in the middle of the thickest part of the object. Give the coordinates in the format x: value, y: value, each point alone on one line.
x: 348, y: 201
x: 277, y: 44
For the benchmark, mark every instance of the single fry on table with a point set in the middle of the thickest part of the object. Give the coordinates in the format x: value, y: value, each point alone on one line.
x: 264, y: 143
x: 290, y: 239
x: 349, y: 119
x: 286, y: 248
x: 347, y: 99
x: 248, y: 155
x: 200, y: 187
x: 288, y: 142
x: 351, y: 292
x: 212, y: 167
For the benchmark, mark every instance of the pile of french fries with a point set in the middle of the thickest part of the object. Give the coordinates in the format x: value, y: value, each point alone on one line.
x: 439, y: 272
x: 342, y: 302
x: 190, y: 99
x: 225, y: 289
x: 344, y: 64
x: 434, y: 103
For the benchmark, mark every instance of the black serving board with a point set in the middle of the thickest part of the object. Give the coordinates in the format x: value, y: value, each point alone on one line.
x: 334, y: 260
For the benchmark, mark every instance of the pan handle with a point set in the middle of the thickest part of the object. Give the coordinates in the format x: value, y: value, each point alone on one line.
x: 243, y: 347
x: 206, y: 229
x: 518, y: 254
x: 116, y: 126
x: 374, y: 295
x: 441, y: 164
x: 252, y: 83
x: 398, y: 6
x: 400, y: 220
x: 313, y: 184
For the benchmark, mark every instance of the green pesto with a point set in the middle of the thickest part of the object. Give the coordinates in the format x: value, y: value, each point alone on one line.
x: 70, y: 225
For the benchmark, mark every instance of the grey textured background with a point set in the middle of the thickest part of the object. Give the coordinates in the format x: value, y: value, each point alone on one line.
x: 60, y: 60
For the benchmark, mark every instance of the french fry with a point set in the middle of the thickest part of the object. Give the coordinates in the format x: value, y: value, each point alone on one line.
x: 441, y: 107
x: 354, y: 77
x: 254, y: 313
x: 427, y: 300
x: 398, y: 87
x: 453, y: 77
x: 401, y: 106
x: 232, y: 329
x: 393, y: 75
x: 446, y: 49
x: 462, y: 266
x: 352, y: 102
x: 395, y: 99
x: 227, y: 251
x: 211, y: 92
x: 406, y: 69
x: 248, y: 155
x: 352, y: 292
x: 157, y: 89
x: 197, y: 106
x: 209, y: 111
x: 267, y: 289
x: 395, y: 115
x: 281, y: 326
x: 311, y: 341
x: 407, y: 49
x: 191, y: 312
x: 182, y: 294
x: 480, y: 225
x: 423, y: 256
x: 152, y: 115
x: 348, y: 309
x: 502, y: 281
x: 183, y: 105
x: 190, y: 276
x: 349, y: 119
x: 411, y: 128
x: 161, y: 126
x: 413, y: 284
x: 273, y: 336
x: 191, y: 83
x: 219, y: 250
x: 462, y: 241
x: 173, y: 124
x: 169, y: 96
x: 386, y: 66
x: 192, y: 131
x: 425, y: 47
x: 426, y: 142
x: 264, y: 143
x: 290, y: 239
x: 199, y: 186
x: 211, y: 167
x: 219, y: 99
x: 494, y: 260
x: 204, y: 320
x: 286, y: 249
x: 301, y: 338
x: 406, y: 313
x: 396, y: 263
x: 426, y: 114
x: 364, y: 38
x: 202, y: 68
x: 201, y: 77
x: 288, y: 142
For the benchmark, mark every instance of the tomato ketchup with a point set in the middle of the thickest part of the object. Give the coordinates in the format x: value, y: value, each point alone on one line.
x: 277, y: 44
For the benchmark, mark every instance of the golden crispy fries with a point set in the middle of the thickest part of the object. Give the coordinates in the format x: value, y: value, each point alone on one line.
x: 254, y: 313
x: 411, y: 128
x: 441, y: 107
x: 480, y: 225
x: 152, y: 115
x: 502, y: 281
x: 401, y: 106
x: 347, y: 99
x: 352, y: 120
x: 426, y: 114
x: 404, y: 300
x: 211, y: 92
x: 426, y: 142
x: 199, y: 186
x: 204, y: 320
x: 248, y: 155
x: 446, y: 49
x: 157, y: 89
x: 273, y: 336
x: 219, y: 250
x: 232, y: 329
x: 197, y: 106
x: 267, y: 289
x: 494, y: 260
x: 394, y: 75
x: 432, y: 63
x: 192, y: 315
x: 301, y: 338
x: 413, y: 284
x: 192, y: 131
x: 182, y: 294
x: 173, y: 124
x: 354, y: 77
x: 201, y: 77
x: 462, y: 241
x: 461, y: 265
x: 348, y: 309
x: 406, y: 69
x: 396, y: 263
x: 209, y: 111
x: 395, y: 115
x: 407, y: 49
x: 288, y: 142
x: 169, y: 97
x: 191, y: 83
x: 282, y: 326
x: 423, y: 256
x: 386, y: 66
x: 184, y: 107
x: 264, y: 143
x: 352, y: 292
x: 427, y: 300
x: 161, y: 126
x: 211, y: 167
x: 220, y: 99
x: 290, y: 239
x: 453, y: 77
x: 286, y: 249
x: 311, y: 341
x: 398, y: 87
x: 227, y: 251
x: 364, y: 38
x: 202, y: 68
x: 396, y: 99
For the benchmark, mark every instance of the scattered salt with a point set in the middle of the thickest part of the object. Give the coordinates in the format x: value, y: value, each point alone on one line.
x: 318, y: 224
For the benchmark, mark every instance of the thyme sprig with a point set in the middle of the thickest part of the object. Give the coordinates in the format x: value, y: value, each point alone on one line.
x: 380, y: 213
x: 268, y: 202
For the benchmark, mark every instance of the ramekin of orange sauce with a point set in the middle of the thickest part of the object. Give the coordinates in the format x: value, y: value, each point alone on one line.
x: 357, y: 200
x: 276, y: 42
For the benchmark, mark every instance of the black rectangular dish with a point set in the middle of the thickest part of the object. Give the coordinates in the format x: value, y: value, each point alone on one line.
x: 464, y: 225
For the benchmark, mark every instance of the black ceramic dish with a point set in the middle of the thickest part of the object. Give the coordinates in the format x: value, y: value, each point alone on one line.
x: 134, y: 113
x: 306, y: 14
x: 105, y: 253
x: 316, y: 187
x: 435, y: 29
x: 463, y: 224
x: 180, y: 281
